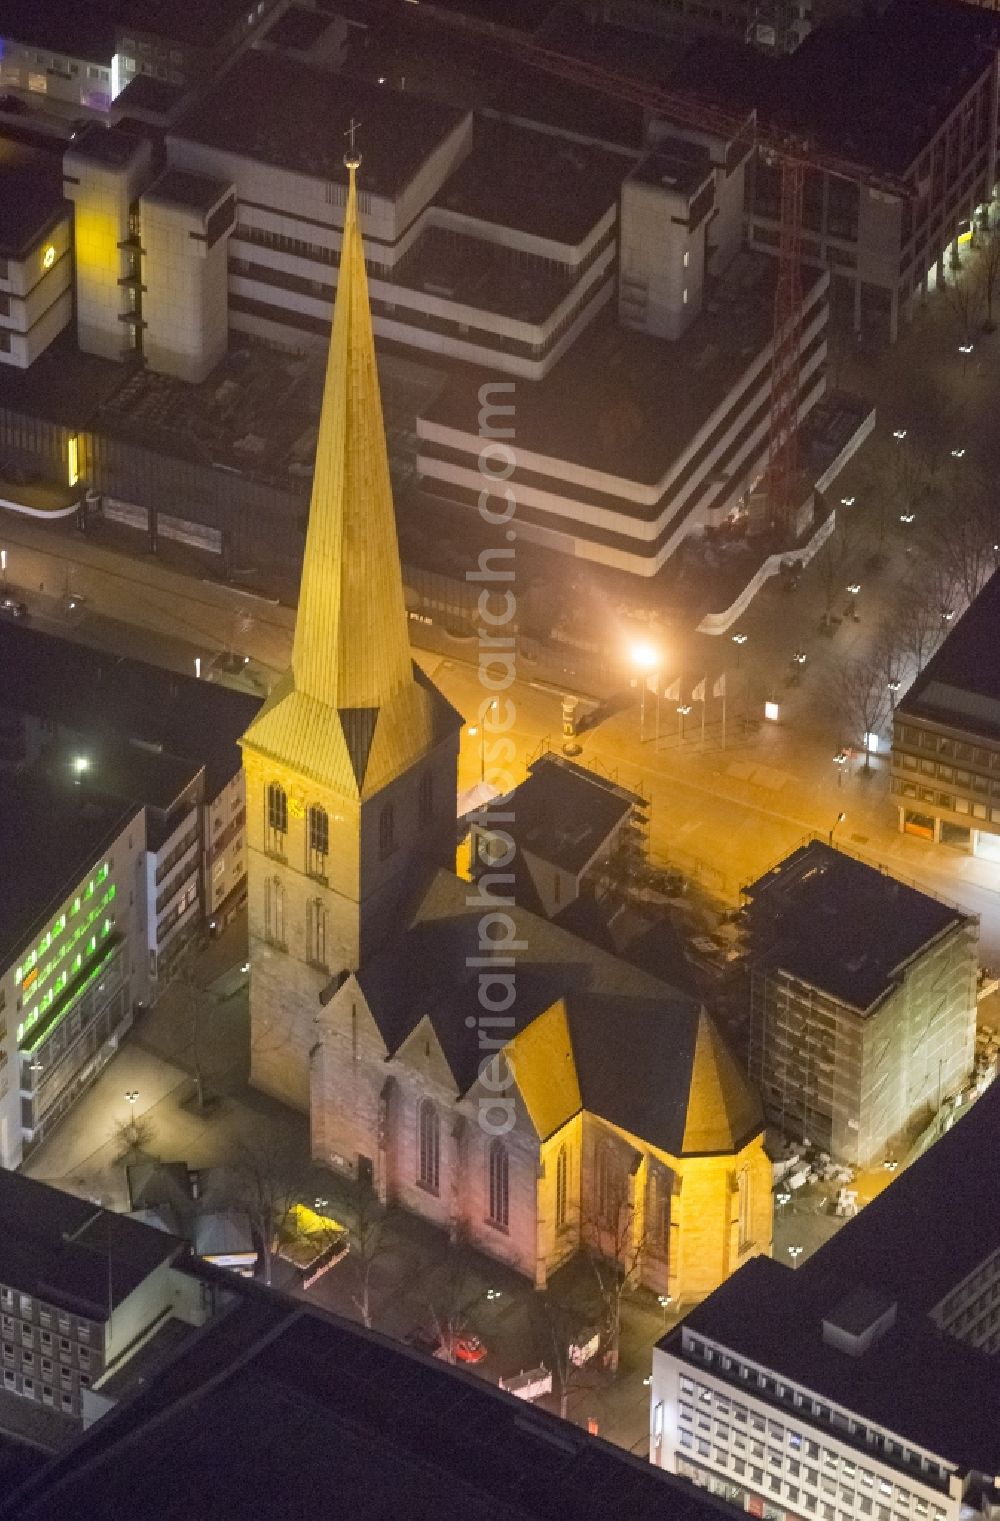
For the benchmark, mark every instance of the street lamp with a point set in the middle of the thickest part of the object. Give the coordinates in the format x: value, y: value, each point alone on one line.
x: 739, y: 640
x: 838, y: 820
x: 794, y: 1252
x: 947, y: 613
x: 782, y: 1199
x: 966, y: 348
x: 320, y: 1203
x: 840, y: 761
x: 853, y: 589
x: 847, y: 501
x: 480, y: 729
x: 958, y: 453
x: 899, y: 434
x: 683, y: 709
x: 907, y: 517
x: 646, y: 659
x: 894, y: 686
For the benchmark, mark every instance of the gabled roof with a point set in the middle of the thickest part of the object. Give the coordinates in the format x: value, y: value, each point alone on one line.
x: 645, y: 1057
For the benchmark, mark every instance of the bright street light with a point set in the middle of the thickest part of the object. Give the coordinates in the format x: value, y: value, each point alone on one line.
x: 965, y: 348
x: 958, y: 453
x: 899, y: 434
x: 80, y: 764
x: 838, y: 820
x: 782, y: 1199
x: 739, y: 639
x: 907, y: 517
x: 854, y: 588
x: 794, y: 1252
x: 847, y: 501
x: 644, y: 656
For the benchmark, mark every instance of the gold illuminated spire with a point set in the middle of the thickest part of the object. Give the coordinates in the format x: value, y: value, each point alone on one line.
x: 351, y: 712
x: 351, y: 648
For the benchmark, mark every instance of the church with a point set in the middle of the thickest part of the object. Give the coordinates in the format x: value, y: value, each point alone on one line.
x: 470, y: 1059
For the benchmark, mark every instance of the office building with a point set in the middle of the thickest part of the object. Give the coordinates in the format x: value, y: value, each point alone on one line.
x: 157, y: 739
x: 85, y: 1296
x: 72, y: 952
x: 863, y: 1383
x: 945, y: 774
x: 862, y: 1001
x: 36, y: 255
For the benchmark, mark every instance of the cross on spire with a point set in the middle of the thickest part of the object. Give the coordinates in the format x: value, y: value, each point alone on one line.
x: 352, y: 157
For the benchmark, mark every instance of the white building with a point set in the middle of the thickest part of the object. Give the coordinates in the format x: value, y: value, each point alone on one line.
x: 863, y: 1385
x: 186, y: 220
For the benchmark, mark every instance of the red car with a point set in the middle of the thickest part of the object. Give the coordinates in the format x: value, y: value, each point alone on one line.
x: 469, y: 1349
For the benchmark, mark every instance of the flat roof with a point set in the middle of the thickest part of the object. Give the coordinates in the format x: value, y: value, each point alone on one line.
x: 301, y: 116
x: 78, y: 30
x: 298, y: 29
x: 842, y: 926
x: 93, y: 693
x: 110, y: 146
x: 960, y: 684
x: 181, y: 187
x: 627, y: 403
x: 31, y: 196
x: 536, y: 182
x: 284, y: 1403
x: 675, y: 165
x: 189, y: 21
x: 144, y: 93
x: 916, y: 1379
x: 62, y: 1249
x: 53, y: 835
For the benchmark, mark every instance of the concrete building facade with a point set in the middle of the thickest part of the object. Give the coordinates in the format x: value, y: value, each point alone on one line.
x: 862, y: 1002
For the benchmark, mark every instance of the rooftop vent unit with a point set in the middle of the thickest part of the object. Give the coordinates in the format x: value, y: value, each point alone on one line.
x: 859, y: 1320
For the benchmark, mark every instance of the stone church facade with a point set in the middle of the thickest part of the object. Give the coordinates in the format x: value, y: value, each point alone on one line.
x: 626, y: 1122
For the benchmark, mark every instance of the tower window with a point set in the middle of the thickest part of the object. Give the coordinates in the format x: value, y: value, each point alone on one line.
x: 499, y: 1185
x: 425, y: 802
x: 274, y: 911
x: 743, y: 1189
x: 429, y: 1127
x: 386, y: 831
x: 316, y: 923
x: 277, y: 817
x: 562, y: 1170
x: 319, y: 840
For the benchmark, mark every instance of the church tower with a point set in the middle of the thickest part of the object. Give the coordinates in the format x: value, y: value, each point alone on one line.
x: 351, y: 764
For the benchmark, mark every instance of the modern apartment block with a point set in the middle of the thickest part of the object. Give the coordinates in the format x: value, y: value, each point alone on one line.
x: 862, y: 1001
x: 36, y: 256
x: 72, y: 954
x: 862, y: 1384
x: 159, y: 740
x: 82, y: 1293
x: 945, y: 774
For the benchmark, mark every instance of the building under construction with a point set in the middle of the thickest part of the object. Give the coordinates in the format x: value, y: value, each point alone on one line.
x: 863, y: 1002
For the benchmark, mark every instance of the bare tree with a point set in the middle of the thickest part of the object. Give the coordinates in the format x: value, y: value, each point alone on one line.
x: 569, y: 1323
x: 366, y: 1232
x: 454, y: 1300
x: 834, y: 561
x: 962, y: 542
x: 915, y: 626
x: 132, y: 1137
x: 616, y: 1247
x: 863, y: 697
x: 266, y: 1179
x: 965, y: 298
x: 987, y: 272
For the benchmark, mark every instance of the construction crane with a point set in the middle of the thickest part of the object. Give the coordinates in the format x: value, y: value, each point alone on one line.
x: 791, y: 155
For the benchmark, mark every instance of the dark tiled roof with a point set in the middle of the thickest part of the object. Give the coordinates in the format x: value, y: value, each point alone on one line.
x: 277, y: 1405
x: 563, y: 813
x: 621, y: 1019
x: 841, y: 926
x: 66, y: 1251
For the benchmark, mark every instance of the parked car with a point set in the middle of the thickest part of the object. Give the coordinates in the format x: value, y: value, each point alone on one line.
x: 11, y: 608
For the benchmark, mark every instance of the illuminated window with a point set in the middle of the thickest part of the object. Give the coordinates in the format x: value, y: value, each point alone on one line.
x: 277, y: 817
x: 499, y: 1185
x: 429, y: 1135
x: 562, y: 1168
x: 319, y: 840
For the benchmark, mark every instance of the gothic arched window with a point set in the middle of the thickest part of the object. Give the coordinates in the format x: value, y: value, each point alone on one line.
x: 277, y: 817
x: 319, y: 840
x: 274, y: 911
x: 499, y: 1184
x: 743, y: 1189
x: 562, y: 1180
x: 429, y: 1146
x: 316, y: 923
